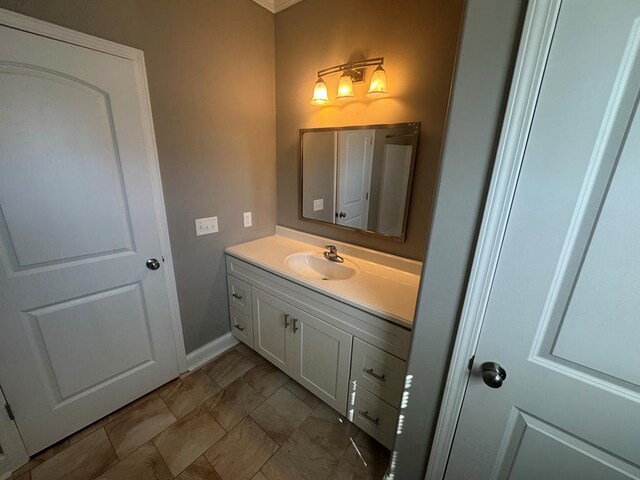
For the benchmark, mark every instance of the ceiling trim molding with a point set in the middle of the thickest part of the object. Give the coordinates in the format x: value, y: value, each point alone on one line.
x: 282, y: 4
x: 275, y: 6
x: 268, y: 4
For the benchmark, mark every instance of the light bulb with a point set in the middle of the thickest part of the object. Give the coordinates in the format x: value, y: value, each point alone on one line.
x: 378, y: 86
x: 320, y: 94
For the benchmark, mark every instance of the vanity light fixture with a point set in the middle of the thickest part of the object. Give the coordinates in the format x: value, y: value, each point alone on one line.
x: 351, y: 73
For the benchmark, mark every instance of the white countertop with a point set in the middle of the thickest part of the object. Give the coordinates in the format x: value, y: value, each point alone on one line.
x: 388, y: 291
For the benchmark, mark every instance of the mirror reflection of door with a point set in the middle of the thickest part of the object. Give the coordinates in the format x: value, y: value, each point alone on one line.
x: 355, y: 154
x: 396, y: 166
x: 359, y: 177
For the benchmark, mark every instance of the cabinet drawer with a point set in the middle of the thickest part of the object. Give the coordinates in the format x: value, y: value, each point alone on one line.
x: 379, y: 372
x: 241, y: 326
x: 239, y: 295
x: 374, y: 416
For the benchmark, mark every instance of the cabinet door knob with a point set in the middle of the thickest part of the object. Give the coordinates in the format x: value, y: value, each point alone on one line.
x: 239, y: 328
x: 295, y: 329
x: 286, y: 321
x: 235, y: 295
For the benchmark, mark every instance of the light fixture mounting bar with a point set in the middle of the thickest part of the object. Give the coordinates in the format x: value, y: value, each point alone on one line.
x: 354, y: 69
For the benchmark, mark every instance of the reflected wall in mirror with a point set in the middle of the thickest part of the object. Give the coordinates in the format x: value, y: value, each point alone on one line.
x: 359, y: 177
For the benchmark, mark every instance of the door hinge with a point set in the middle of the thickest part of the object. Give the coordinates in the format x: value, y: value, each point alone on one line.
x: 470, y: 364
x: 9, y: 412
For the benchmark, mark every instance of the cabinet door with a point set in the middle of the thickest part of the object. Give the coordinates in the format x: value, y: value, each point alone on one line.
x: 272, y: 329
x: 321, y: 358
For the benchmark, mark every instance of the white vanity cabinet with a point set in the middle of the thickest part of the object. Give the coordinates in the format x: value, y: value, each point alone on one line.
x: 331, y: 348
x: 313, y: 352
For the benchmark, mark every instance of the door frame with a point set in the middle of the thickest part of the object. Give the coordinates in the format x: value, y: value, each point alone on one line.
x: 56, y: 32
x: 533, y: 51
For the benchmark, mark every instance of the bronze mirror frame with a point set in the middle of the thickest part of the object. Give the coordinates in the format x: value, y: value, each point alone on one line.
x: 408, y: 125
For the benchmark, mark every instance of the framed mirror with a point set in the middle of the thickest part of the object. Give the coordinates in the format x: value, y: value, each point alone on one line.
x: 359, y: 177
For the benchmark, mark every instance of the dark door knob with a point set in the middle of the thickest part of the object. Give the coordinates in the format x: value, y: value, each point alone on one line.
x: 342, y: 215
x: 153, y: 264
x: 493, y: 374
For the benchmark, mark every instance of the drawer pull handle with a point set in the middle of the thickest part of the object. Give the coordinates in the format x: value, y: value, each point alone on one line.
x: 370, y: 371
x: 239, y: 328
x: 295, y: 329
x: 366, y: 415
x: 235, y: 295
x: 286, y: 321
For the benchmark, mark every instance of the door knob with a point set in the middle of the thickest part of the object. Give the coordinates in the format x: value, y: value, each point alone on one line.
x: 153, y: 264
x: 493, y: 374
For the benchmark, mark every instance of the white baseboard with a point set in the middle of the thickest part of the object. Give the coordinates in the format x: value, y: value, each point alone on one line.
x: 211, y: 350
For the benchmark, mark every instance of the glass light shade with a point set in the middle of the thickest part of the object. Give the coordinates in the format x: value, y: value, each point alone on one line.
x: 378, y: 86
x: 345, y: 87
x: 320, y: 94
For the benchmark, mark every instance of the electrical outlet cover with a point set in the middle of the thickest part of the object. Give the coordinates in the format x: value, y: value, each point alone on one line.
x: 246, y: 216
x: 205, y: 226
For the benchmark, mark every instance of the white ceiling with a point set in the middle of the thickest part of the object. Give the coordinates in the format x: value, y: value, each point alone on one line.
x: 276, y: 6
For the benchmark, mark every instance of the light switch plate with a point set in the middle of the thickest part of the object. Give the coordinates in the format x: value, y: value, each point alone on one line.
x: 318, y: 204
x: 246, y: 216
x: 205, y: 226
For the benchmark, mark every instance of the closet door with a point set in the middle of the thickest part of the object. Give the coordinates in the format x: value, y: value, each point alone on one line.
x: 272, y: 319
x: 554, y: 391
x: 321, y: 358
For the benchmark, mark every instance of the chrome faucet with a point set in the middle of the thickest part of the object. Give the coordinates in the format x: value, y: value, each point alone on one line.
x: 332, y: 254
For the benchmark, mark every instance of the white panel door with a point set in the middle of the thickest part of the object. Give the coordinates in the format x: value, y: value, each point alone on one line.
x: 355, y: 156
x: 272, y: 329
x: 563, y: 313
x: 321, y: 358
x: 86, y: 326
x: 396, y: 168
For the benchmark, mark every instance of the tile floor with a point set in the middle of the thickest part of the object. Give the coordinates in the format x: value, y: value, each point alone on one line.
x: 236, y: 418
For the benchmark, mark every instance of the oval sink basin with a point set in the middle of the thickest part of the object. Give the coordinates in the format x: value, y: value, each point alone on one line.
x: 313, y: 265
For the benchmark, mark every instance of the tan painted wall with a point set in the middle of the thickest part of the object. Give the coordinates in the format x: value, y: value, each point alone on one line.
x: 210, y: 65
x: 418, y: 40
